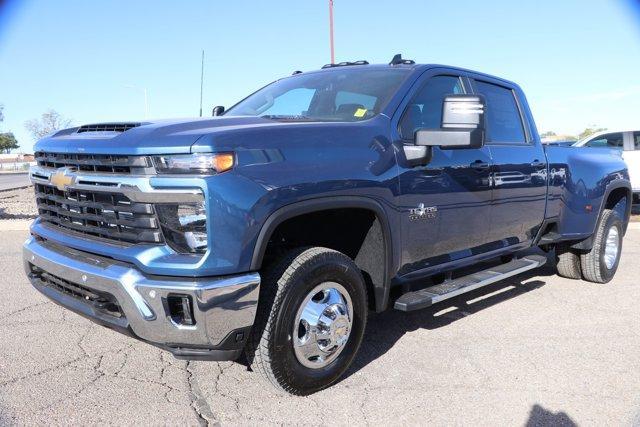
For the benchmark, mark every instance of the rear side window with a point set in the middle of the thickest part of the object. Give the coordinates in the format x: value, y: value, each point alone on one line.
x: 609, y: 140
x: 636, y: 140
x: 504, y: 124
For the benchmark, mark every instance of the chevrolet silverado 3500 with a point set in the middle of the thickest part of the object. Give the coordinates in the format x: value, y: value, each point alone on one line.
x: 274, y: 228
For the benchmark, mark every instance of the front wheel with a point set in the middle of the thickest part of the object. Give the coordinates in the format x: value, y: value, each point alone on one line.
x: 599, y: 265
x: 310, y: 321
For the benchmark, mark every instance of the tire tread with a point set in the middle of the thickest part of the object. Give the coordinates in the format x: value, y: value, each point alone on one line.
x: 590, y: 261
x: 568, y: 262
x: 275, y: 283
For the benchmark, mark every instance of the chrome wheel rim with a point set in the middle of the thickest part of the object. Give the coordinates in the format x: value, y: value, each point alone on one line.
x: 323, y: 325
x: 611, y: 247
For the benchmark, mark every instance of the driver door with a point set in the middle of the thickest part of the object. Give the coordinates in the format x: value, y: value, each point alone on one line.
x: 444, y: 204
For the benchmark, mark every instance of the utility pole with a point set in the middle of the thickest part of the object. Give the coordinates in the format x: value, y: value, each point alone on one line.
x: 201, y: 80
x: 333, y: 58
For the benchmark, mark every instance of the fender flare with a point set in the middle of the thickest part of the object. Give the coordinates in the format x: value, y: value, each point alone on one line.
x: 614, y: 185
x: 587, y: 243
x: 381, y: 291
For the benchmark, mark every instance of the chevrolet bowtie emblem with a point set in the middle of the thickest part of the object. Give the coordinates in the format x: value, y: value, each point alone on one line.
x: 63, y: 178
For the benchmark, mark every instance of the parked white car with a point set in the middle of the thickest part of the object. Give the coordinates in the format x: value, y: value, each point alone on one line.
x: 627, y: 141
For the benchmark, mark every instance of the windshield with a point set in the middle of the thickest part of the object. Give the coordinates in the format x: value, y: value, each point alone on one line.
x: 336, y: 95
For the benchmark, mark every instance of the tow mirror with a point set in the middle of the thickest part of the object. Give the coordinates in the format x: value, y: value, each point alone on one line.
x: 218, y: 110
x: 462, y: 124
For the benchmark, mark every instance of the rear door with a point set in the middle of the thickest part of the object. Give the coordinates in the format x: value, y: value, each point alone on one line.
x: 519, y: 171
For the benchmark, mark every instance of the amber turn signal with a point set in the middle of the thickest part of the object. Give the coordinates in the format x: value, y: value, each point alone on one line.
x: 222, y: 161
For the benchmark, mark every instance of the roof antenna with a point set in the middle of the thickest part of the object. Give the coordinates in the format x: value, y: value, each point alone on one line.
x: 397, y: 60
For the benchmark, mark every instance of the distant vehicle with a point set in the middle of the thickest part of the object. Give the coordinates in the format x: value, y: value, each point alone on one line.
x: 271, y: 229
x: 626, y: 141
x: 559, y: 143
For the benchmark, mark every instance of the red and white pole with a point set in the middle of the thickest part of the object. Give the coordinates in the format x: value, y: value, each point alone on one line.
x: 333, y: 59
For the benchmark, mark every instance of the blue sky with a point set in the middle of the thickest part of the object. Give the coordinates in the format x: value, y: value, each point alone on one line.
x: 578, y: 61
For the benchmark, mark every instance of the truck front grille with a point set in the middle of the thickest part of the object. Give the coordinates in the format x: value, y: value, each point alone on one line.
x: 100, y: 214
x: 97, y: 162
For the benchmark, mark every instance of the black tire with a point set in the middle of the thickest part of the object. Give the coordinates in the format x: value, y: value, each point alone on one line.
x: 284, y: 287
x: 568, y: 262
x: 594, y: 267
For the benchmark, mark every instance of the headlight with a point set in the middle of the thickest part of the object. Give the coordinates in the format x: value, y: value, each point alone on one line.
x: 206, y: 163
x: 184, y: 226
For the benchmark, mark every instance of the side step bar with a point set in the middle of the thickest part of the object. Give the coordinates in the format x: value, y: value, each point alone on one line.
x: 426, y: 297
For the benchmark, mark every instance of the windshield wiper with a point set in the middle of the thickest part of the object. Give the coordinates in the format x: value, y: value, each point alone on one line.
x: 285, y: 117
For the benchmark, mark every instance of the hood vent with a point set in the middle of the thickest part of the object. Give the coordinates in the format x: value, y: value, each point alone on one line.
x: 108, y: 127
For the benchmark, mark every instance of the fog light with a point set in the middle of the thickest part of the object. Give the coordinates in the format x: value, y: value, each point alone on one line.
x: 180, y: 309
x: 184, y: 226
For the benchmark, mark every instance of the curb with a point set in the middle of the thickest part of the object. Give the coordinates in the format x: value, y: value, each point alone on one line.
x: 15, y: 188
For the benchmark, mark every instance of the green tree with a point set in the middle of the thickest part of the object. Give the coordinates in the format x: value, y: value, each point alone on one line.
x: 590, y: 131
x: 8, y: 142
x: 1, y: 113
x: 49, y: 122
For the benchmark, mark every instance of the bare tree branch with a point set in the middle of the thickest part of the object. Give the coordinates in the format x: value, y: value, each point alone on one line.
x: 49, y: 122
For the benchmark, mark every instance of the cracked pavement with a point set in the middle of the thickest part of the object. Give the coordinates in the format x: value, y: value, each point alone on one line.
x: 535, y: 349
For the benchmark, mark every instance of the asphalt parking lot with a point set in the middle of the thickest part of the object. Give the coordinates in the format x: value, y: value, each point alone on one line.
x: 534, y: 350
x: 13, y: 180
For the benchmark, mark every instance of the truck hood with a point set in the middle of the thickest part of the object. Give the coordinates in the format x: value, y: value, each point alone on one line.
x: 155, y: 137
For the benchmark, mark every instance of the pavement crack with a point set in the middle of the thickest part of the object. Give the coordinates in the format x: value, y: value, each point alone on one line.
x: 72, y: 396
x: 199, y: 404
x: 44, y: 371
x: 23, y: 309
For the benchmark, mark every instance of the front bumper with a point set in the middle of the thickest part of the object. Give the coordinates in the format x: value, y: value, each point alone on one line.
x: 223, y: 307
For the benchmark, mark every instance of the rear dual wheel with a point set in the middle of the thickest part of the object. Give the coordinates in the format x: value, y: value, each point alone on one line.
x: 599, y: 264
x: 568, y: 262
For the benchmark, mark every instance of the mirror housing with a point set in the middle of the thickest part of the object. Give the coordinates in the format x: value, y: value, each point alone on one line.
x: 462, y: 124
x: 218, y: 110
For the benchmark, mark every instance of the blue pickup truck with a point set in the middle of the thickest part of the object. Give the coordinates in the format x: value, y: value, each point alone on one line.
x: 272, y: 230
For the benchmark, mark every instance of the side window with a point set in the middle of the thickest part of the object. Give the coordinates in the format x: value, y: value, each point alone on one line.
x: 636, y: 140
x: 609, y: 140
x: 503, y: 120
x: 425, y: 109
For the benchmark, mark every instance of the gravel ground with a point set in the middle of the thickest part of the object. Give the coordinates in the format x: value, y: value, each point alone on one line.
x: 18, y: 204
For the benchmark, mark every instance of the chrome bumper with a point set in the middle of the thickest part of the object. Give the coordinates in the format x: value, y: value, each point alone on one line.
x: 223, y: 307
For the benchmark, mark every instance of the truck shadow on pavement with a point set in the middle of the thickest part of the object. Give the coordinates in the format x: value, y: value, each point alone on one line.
x: 385, y: 329
x: 540, y: 416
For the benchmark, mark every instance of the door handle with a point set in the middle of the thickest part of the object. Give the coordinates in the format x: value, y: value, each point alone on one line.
x: 479, y: 165
x: 538, y: 164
